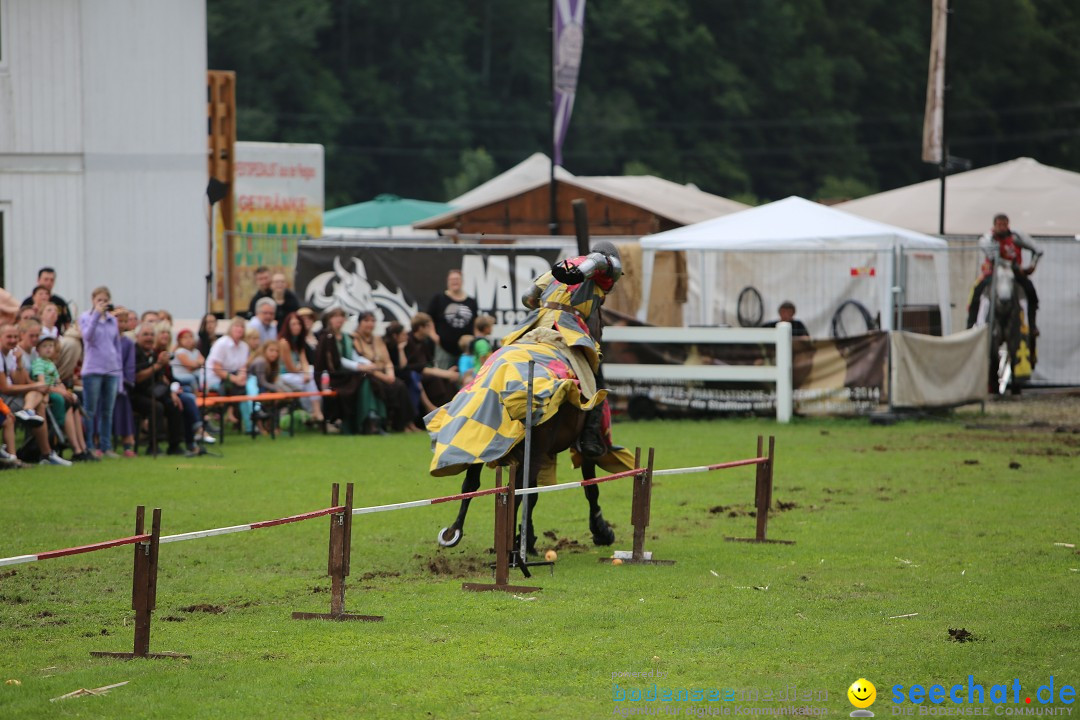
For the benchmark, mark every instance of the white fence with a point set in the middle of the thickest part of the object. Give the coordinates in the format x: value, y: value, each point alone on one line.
x: 780, y: 373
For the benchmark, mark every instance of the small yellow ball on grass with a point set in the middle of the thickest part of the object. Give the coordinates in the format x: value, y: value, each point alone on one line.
x: 616, y: 561
x: 551, y: 556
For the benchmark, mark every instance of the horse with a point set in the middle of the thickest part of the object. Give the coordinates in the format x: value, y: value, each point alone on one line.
x: 1004, y: 313
x: 492, y: 410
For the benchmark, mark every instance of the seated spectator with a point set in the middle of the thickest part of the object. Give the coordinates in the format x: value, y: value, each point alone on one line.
x: 262, y: 288
x: 46, y: 278
x: 466, y: 364
x: 152, y: 396
x: 298, y: 374
x: 483, y: 344
x: 149, y: 316
x: 15, y: 383
x: 207, y: 333
x: 49, y: 315
x: 38, y: 297
x: 264, y: 321
x: 165, y: 316
x: 396, y: 340
x: 27, y: 312
x: 386, y: 386
x: 187, y: 362
x: 264, y: 376
x: 163, y: 336
x: 286, y: 300
x: 355, y: 403
x: 227, y: 362
x: 438, y: 385
x: 7, y: 424
x: 64, y: 403
x: 101, y: 370
x: 787, y: 314
x: 311, y: 339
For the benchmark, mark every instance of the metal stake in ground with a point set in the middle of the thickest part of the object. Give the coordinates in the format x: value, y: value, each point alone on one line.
x: 640, y: 512
x: 763, y: 485
x: 337, y: 566
x: 504, y: 541
x: 143, y: 590
x: 527, y: 472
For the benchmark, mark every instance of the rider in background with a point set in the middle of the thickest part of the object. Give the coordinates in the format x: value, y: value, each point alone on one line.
x: 1010, y: 244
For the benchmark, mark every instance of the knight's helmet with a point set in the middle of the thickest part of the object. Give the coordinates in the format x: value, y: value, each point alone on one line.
x: 611, y: 254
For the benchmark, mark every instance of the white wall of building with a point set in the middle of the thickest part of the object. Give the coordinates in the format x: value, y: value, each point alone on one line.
x: 103, y: 148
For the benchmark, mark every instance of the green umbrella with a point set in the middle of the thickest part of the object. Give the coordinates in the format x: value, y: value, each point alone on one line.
x: 383, y: 211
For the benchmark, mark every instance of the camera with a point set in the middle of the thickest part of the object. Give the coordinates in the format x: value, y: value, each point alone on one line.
x: 110, y: 307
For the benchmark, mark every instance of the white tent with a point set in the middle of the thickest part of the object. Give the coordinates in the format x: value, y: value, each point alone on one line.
x: 1039, y: 200
x: 798, y: 226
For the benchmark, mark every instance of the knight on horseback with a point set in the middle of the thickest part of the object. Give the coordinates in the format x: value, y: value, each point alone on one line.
x: 485, y: 422
x: 1009, y: 245
x: 567, y: 299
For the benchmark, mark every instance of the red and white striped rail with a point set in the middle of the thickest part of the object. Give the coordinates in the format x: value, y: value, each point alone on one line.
x: 251, y: 526
x: 579, y: 483
x: 19, y: 559
x: 708, y: 468
x: 423, y: 503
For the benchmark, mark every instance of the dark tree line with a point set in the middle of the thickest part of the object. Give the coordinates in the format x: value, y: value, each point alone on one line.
x: 753, y: 99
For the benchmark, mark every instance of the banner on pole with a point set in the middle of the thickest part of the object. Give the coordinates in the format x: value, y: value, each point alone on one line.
x: 568, y: 40
x: 934, y: 120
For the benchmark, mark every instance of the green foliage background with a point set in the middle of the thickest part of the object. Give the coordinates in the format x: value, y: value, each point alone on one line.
x: 748, y: 98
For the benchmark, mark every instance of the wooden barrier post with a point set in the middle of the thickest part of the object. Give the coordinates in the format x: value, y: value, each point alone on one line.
x: 338, y: 561
x: 143, y: 590
x: 504, y: 540
x: 763, y: 487
x: 640, y: 515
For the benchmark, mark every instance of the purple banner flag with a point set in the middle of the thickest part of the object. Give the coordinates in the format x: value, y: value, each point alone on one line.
x: 568, y: 39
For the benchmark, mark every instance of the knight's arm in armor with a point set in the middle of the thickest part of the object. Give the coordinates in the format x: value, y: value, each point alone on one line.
x: 593, y: 264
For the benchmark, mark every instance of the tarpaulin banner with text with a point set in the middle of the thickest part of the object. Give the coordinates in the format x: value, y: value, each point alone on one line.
x: 396, y: 281
x: 844, y: 376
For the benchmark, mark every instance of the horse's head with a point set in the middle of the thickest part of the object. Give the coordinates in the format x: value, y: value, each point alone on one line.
x: 1003, y: 284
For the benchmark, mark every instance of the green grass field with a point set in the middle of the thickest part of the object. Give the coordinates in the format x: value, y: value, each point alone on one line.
x: 925, y: 519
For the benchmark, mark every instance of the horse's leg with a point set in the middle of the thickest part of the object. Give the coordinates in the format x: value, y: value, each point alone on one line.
x: 534, y: 472
x: 451, y: 536
x: 602, y: 534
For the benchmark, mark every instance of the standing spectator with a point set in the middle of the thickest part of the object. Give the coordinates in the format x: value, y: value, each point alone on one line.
x: 46, y: 278
x: 264, y: 322
x: 123, y: 413
x: 286, y: 299
x: 149, y: 316
x: 101, y: 371
x: 262, y: 288
x: 453, y: 313
x: 14, y: 385
x: 207, y: 333
x: 297, y: 372
x: 152, y: 393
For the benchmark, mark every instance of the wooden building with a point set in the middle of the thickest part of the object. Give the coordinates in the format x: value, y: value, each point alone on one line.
x: 518, y: 202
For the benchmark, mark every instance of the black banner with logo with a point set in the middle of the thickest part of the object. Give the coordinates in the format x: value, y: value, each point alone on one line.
x: 397, y: 281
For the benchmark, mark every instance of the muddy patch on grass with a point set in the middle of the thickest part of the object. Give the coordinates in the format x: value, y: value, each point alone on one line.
x: 380, y: 574
x: 961, y: 635
x: 203, y: 608
x: 464, y: 567
x: 569, y: 545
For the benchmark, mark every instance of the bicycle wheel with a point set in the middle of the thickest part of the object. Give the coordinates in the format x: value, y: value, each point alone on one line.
x: 850, y: 319
x: 750, y: 310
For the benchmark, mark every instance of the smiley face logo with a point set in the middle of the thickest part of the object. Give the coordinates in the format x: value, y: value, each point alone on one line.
x: 862, y: 693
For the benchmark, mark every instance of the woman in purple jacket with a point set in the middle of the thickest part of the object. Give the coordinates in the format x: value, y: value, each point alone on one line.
x: 101, y: 370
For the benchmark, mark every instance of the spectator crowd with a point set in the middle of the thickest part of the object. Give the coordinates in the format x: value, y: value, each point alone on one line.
x: 93, y: 384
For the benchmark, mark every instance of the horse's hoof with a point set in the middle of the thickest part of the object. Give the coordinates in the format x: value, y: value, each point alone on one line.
x: 449, y: 536
x: 602, y: 533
